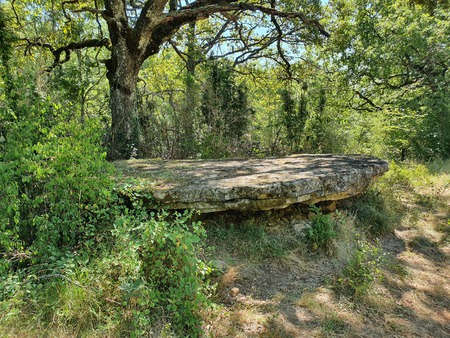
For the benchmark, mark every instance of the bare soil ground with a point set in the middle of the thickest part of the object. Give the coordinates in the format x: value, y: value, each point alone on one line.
x: 266, y: 292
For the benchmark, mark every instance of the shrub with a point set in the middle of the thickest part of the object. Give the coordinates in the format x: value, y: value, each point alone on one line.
x: 405, y: 176
x: 169, y: 279
x: 56, y: 209
x: 322, y: 231
x: 362, y: 270
x: 57, y: 188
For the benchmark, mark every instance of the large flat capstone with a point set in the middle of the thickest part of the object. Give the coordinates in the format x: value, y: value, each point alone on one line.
x: 251, y: 184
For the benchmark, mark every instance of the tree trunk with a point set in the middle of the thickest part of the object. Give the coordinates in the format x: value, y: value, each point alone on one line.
x: 188, y: 120
x: 123, y: 69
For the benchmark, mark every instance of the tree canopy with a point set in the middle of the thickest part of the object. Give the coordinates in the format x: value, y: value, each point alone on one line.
x: 136, y: 30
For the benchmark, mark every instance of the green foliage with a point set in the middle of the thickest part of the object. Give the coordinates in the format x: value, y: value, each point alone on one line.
x: 70, y: 239
x: 294, y: 118
x: 322, y: 231
x: 51, y: 173
x: 431, y: 5
x: 406, y: 176
x: 5, y: 37
x: 362, y: 270
x: 6, y: 41
x: 394, y: 55
x: 168, y: 272
x: 378, y: 85
x: 215, y: 146
x: 146, y: 275
x: 439, y: 166
x: 54, y: 206
x: 80, y: 253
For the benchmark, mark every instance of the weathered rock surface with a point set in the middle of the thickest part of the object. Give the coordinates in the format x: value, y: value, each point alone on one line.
x: 252, y: 184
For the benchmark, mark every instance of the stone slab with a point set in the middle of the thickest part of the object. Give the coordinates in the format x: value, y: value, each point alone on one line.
x: 252, y: 184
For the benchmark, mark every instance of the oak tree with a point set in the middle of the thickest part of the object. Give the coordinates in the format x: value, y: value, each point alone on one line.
x: 138, y: 29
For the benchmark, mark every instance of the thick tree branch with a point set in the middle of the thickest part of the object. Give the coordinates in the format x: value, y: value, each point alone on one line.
x: 152, y: 10
x: 153, y: 28
x: 117, y: 20
x: 151, y: 34
x: 195, y: 12
x: 62, y: 54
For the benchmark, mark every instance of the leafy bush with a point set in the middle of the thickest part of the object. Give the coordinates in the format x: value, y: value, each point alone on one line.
x: 362, y: 270
x: 55, y: 206
x: 405, y: 175
x: 75, y: 254
x: 321, y: 232
x: 146, y: 275
x: 56, y: 185
x: 168, y: 273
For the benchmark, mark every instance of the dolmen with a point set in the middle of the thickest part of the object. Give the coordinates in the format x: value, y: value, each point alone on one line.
x: 250, y: 184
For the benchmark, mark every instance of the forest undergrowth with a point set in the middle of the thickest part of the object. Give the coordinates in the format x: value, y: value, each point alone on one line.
x: 376, y: 266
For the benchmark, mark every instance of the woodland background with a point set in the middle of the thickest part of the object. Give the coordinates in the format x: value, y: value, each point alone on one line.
x: 371, y: 78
